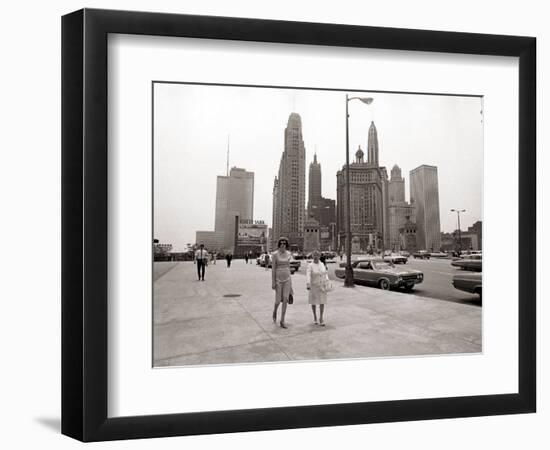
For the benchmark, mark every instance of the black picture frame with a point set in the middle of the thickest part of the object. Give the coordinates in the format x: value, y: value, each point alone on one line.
x: 84, y: 224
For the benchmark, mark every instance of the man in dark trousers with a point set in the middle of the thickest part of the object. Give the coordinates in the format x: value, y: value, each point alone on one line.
x: 228, y: 258
x: 201, y: 256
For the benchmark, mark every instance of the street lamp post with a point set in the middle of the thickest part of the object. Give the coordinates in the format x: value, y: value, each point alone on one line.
x: 458, y: 211
x: 348, y: 282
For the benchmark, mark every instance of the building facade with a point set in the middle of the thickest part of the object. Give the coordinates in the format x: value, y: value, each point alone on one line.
x: 407, y: 234
x: 311, y: 235
x: 214, y: 241
x: 369, y: 200
x: 234, y: 199
x: 398, y: 214
x: 289, y: 189
x: 424, y: 190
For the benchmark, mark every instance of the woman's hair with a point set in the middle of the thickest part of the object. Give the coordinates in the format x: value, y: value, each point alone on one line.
x: 281, y: 240
x: 315, y: 251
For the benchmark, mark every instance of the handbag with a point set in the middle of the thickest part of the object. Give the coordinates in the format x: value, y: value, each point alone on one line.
x: 290, y: 299
x: 328, y: 284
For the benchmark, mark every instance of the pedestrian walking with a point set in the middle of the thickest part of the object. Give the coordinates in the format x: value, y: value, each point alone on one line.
x: 214, y: 257
x: 246, y: 257
x: 316, y: 283
x: 201, y: 257
x: 281, y: 280
x: 228, y: 258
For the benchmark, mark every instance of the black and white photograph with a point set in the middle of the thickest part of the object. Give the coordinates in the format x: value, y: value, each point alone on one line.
x: 296, y: 224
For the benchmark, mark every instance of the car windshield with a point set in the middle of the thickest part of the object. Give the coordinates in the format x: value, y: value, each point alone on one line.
x: 382, y: 265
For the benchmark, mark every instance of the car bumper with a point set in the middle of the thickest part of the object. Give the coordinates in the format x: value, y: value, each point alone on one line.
x: 404, y: 283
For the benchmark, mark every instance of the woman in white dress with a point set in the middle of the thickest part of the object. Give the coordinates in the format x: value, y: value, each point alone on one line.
x: 281, y: 281
x: 316, y: 282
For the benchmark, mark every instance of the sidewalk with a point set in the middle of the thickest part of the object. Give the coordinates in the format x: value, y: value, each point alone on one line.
x: 227, y: 319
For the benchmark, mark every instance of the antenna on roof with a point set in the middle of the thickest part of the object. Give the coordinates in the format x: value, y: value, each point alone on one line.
x: 227, y: 163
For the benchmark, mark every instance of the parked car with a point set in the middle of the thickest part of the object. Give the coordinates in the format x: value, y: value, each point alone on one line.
x: 468, y: 282
x: 396, y: 258
x: 421, y: 254
x: 469, y: 262
x: 438, y: 255
x: 294, y: 265
x: 265, y: 260
x: 381, y: 273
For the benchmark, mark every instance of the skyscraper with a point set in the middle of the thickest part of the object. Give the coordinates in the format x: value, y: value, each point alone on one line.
x: 314, y: 197
x: 425, y: 199
x: 323, y: 210
x: 290, y: 190
x: 234, y: 198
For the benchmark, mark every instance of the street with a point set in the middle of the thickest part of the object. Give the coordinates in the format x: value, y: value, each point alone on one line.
x: 226, y: 319
x: 438, y: 274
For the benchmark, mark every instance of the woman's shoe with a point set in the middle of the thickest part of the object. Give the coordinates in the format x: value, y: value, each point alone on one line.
x: 274, y: 318
x: 283, y: 325
x: 322, y: 324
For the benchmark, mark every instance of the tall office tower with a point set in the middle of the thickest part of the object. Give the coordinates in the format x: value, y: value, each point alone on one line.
x: 396, y: 186
x: 291, y: 190
x: 314, y: 197
x: 368, y: 195
x: 425, y: 199
x: 234, y: 198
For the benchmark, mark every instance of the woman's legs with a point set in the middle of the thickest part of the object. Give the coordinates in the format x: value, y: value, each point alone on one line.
x: 321, y: 311
x: 283, y: 313
x: 314, y: 309
x: 275, y: 308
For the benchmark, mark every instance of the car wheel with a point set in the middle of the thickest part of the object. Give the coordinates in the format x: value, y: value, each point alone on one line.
x: 478, y: 292
x: 384, y: 284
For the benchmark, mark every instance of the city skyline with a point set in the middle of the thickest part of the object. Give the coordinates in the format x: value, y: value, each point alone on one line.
x: 190, y: 122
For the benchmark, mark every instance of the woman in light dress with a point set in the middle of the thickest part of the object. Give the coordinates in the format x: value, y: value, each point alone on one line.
x: 281, y: 280
x: 316, y: 282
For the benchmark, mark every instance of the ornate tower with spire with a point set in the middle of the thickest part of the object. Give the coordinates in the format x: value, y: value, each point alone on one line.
x: 368, y: 195
x: 372, y: 145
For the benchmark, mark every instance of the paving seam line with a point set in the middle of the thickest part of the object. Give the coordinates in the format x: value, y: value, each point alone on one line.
x: 263, y: 329
x: 179, y: 355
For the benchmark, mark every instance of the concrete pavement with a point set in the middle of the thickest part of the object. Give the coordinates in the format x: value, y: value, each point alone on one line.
x: 227, y: 319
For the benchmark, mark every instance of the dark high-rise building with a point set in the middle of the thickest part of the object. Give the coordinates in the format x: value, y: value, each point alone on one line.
x: 425, y: 199
x: 289, y: 190
x: 369, y: 199
x: 314, y: 197
x: 323, y: 210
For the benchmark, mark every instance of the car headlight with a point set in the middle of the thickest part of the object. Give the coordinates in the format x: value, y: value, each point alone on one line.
x: 420, y: 276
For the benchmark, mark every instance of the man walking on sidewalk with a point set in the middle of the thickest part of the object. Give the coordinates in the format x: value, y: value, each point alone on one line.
x: 201, y: 256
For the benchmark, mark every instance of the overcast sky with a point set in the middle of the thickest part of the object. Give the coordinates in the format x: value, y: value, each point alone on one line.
x: 192, y: 124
